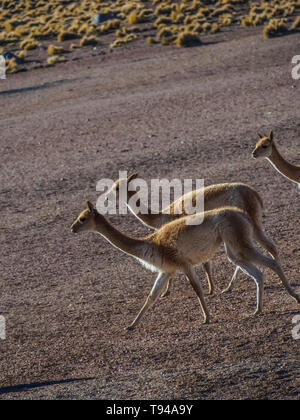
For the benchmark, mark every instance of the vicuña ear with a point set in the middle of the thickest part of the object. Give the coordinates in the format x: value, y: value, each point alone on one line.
x: 271, y: 136
x: 90, y: 207
x: 260, y: 136
x: 131, y: 177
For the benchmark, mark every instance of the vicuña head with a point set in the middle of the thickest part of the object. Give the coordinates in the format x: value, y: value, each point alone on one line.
x: 119, y: 184
x: 264, y: 146
x: 85, y: 222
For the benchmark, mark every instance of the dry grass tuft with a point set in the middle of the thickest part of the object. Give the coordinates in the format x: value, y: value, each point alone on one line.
x: 66, y: 35
x: 119, y: 42
x: 165, y: 36
x: 296, y: 24
x: 73, y: 47
x: 21, y: 54
x: 51, y: 61
x: 88, y: 40
x: 11, y: 66
x: 276, y: 27
x: 55, y: 50
x: 188, y: 39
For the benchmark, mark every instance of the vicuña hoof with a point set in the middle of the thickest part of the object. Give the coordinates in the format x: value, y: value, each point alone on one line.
x: 228, y: 290
x: 129, y: 328
x: 257, y: 312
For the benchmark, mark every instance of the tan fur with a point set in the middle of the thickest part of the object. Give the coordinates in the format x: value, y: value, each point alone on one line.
x: 215, y: 196
x: 266, y: 148
x: 178, y: 246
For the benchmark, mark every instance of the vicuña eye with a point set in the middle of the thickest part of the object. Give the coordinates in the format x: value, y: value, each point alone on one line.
x: 265, y: 146
x: 82, y: 220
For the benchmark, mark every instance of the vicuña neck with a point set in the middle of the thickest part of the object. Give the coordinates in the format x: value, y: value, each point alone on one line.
x: 127, y: 244
x: 288, y: 170
x: 145, y: 214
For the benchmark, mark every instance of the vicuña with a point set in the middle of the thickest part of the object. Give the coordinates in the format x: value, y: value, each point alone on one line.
x: 179, y: 246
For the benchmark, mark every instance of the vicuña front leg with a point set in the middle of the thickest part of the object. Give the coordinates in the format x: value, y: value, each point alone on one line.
x: 157, y: 288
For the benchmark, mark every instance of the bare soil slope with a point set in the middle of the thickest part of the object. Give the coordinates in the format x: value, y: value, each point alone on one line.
x: 164, y: 112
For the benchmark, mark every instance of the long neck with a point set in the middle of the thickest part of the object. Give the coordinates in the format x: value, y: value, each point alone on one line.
x: 146, y: 216
x: 131, y: 246
x: 288, y: 170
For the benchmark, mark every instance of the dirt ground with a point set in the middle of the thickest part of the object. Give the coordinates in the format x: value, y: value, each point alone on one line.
x: 167, y: 113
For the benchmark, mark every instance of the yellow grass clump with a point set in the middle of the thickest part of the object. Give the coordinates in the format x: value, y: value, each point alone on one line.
x: 164, y: 9
x: 162, y: 20
x: 109, y: 26
x: 296, y: 23
x: 55, y: 50
x: 139, y: 16
x: 132, y: 17
x: 226, y: 19
x: 123, y: 40
x: 29, y: 44
x: 66, y: 35
x: 150, y: 40
x: 165, y: 36
x: 51, y: 61
x: 88, y: 40
x: 21, y: 54
x: 276, y: 27
x: 11, y: 66
x: 188, y: 39
x: 73, y: 47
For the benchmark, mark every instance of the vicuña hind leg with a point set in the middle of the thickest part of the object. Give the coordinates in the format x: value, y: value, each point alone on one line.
x: 167, y: 291
x: 232, y: 281
x: 265, y: 261
x: 195, y: 282
x: 265, y: 242
x: 208, y: 271
x: 242, y: 262
x: 257, y: 276
x: 231, y: 256
x: 157, y: 288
